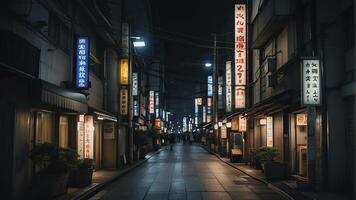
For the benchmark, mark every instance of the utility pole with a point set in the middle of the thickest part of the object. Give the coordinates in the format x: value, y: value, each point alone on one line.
x: 215, y: 94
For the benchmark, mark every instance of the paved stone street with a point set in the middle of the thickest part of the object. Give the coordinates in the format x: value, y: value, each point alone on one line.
x: 188, y: 172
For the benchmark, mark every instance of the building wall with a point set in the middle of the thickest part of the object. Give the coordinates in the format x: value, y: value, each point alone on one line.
x: 278, y: 134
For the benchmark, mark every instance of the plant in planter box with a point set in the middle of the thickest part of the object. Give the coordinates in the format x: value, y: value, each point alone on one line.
x: 53, y: 165
x: 271, y: 168
x: 82, y: 175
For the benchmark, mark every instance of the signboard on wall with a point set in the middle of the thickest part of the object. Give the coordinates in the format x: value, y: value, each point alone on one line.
x: 124, y: 71
x: 80, y: 136
x: 152, y: 102
x: 82, y: 70
x: 240, y: 55
x: 301, y: 119
x: 89, y: 137
x: 235, y: 124
x: 210, y: 86
x: 223, y: 132
x: 124, y: 100
x: 157, y: 104
x: 311, y: 82
x: 269, y: 124
x: 136, y: 112
x: 134, y: 84
x: 242, y: 124
x: 228, y: 94
x: 204, y: 114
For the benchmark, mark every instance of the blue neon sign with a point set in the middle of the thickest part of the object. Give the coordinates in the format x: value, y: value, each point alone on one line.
x: 82, y: 70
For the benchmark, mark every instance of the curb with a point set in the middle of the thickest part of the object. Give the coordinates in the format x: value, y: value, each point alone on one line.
x: 94, y: 190
x: 268, y: 184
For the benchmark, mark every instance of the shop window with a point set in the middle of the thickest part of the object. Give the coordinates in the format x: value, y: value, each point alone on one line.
x: 63, y: 131
x: 282, y: 48
x: 44, y: 128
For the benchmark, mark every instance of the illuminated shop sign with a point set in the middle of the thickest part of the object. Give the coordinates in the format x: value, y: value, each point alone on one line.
x: 135, y: 108
x: 242, y: 124
x: 204, y: 114
x: 157, y: 104
x: 210, y: 86
x: 240, y: 55
x: 311, y: 82
x: 85, y: 137
x: 269, y: 123
x: 228, y: 87
x: 124, y: 98
x: 134, y: 84
x: 124, y: 71
x: 82, y: 70
x: 152, y: 102
x: 301, y: 119
x: 223, y: 132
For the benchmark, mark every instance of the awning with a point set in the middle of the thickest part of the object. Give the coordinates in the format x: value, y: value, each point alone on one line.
x: 44, y: 92
x: 102, y: 114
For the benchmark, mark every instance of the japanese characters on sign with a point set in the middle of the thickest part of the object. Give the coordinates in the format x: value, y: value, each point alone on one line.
x: 240, y: 97
x: 228, y: 87
x: 80, y: 136
x: 269, y: 134
x: 301, y: 119
x: 82, y: 71
x: 204, y: 114
x: 223, y: 132
x: 157, y: 104
x: 221, y: 98
x: 124, y: 98
x: 125, y: 40
x: 124, y: 71
x: 311, y: 82
x: 136, y: 108
x: 152, y: 102
x: 134, y: 84
x: 240, y: 55
x: 242, y: 123
x: 210, y: 86
x: 89, y: 137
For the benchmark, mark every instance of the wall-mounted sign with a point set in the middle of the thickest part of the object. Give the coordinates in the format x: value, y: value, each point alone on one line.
x: 301, y: 119
x: 209, y: 101
x: 242, y: 124
x: 228, y: 87
x: 220, y: 92
x: 89, y: 137
x: 311, y: 82
x: 240, y: 97
x: 152, y: 102
x: 263, y: 121
x: 269, y: 134
x: 210, y: 86
x: 240, y: 55
x: 204, y: 114
x: 235, y: 124
x: 82, y: 70
x: 136, y: 108
x: 134, y: 84
x: 185, y: 124
x: 80, y: 136
x: 109, y: 130
x: 223, y: 132
x: 157, y: 104
x: 125, y: 40
x: 124, y: 100
x: 200, y: 101
x: 124, y: 71
x: 158, y: 123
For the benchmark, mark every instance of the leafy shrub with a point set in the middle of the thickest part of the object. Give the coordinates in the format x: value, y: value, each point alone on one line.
x: 266, y: 153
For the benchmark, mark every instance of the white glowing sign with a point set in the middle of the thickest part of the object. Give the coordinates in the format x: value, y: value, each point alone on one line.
x: 80, y: 136
x: 223, y: 132
x: 240, y: 55
x: 311, y: 82
x: 204, y: 114
x: 242, y: 124
x: 134, y: 84
x: 210, y: 86
x: 228, y: 87
x: 184, y: 124
x: 157, y: 104
x: 152, y: 102
x: 269, y: 121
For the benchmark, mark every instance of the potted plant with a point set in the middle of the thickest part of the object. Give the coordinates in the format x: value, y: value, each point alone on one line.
x: 53, y: 165
x: 82, y: 175
x: 271, y: 168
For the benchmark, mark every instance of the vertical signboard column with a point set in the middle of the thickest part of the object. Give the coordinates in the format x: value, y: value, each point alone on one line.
x: 228, y: 87
x: 240, y: 55
x: 82, y: 70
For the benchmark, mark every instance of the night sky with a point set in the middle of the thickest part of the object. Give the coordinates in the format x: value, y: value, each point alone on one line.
x: 185, y: 27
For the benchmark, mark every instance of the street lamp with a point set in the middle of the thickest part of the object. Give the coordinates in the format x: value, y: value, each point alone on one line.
x: 139, y: 44
x: 208, y: 64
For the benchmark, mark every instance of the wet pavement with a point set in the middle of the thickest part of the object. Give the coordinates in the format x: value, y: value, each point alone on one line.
x: 187, y: 172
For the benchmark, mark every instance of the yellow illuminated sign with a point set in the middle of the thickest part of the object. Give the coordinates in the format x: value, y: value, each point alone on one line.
x: 124, y: 71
